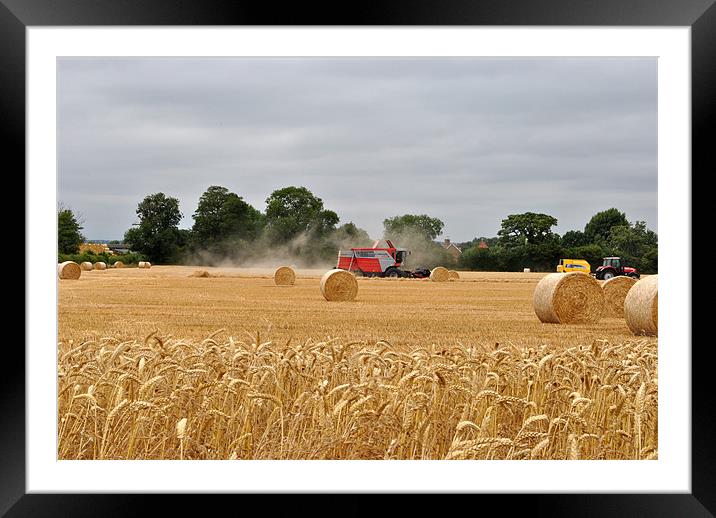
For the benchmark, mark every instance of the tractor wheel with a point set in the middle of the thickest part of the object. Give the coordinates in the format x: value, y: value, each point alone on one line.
x: 391, y: 272
x: 608, y: 275
x: 634, y: 276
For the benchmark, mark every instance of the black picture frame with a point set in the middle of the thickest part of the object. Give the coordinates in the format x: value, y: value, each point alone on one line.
x: 700, y: 15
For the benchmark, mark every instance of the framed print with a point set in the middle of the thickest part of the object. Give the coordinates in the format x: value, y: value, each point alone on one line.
x: 307, y: 286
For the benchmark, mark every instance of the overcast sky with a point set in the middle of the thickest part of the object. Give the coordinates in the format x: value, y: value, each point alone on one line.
x: 468, y: 141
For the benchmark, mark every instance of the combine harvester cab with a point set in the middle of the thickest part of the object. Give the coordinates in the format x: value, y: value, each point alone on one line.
x: 374, y: 261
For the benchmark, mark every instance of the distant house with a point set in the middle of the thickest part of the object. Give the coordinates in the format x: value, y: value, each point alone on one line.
x: 452, y: 249
x: 482, y: 244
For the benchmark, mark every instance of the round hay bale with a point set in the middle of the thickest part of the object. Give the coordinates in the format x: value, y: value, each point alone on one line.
x: 86, y: 266
x: 339, y: 285
x: 100, y: 265
x: 439, y: 274
x: 118, y: 264
x: 615, y: 290
x: 568, y: 298
x: 641, y: 306
x: 144, y: 264
x: 526, y: 270
x: 69, y: 270
x: 284, y: 276
x: 200, y: 273
x: 453, y: 275
x: 140, y: 264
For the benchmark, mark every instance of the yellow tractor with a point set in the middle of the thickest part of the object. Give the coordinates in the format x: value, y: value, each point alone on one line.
x: 573, y: 265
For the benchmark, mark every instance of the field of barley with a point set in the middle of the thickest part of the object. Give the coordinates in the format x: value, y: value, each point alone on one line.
x: 163, y: 364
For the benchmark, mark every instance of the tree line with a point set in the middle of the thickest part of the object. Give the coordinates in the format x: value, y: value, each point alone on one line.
x: 527, y: 241
x: 296, y: 224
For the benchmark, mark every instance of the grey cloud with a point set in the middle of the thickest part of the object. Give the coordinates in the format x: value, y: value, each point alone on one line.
x: 465, y: 140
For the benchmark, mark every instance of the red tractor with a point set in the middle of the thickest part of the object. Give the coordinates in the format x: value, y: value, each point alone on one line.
x: 612, y: 267
x: 378, y: 262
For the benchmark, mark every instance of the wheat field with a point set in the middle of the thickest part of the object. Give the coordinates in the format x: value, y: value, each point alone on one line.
x: 157, y: 364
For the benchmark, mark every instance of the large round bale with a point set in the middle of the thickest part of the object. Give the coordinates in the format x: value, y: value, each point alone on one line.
x: 100, y: 265
x: 453, y: 275
x: 144, y: 264
x: 641, y: 306
x: 69, y: 270
x: 339, y: 285
x: 568, y: 298
x: 615, y: 291
x: 439, y: 274
x: 86, y: 266
x: 284, y: 276
x: 118, y: 264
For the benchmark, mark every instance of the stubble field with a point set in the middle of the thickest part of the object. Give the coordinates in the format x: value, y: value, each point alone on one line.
x: 160, y: 364
x: 480, y: 308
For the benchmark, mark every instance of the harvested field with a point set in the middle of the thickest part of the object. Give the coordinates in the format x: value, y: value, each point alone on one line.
x: 479, y: 307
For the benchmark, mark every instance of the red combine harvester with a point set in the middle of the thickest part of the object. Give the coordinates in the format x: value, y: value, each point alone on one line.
x: 378, y: 262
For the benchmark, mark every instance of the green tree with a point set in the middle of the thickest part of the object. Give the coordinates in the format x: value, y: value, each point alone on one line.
x: 544, y: 256
x: 184, y: 242
x: 293, y: 211
x: 412, y: 224
x: 157, y: 236
x: 650, y: 261
x: 481, y: 259
x: 69, y: 237
x: 526, y: 228
x: 239, y: 220
x: 207, y: 217
x: 636, y: 245
x: 350, y: 236
x: 574, y: 238
x: 221, y: 215
x: 598, y: 228
x: 592, y: 253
